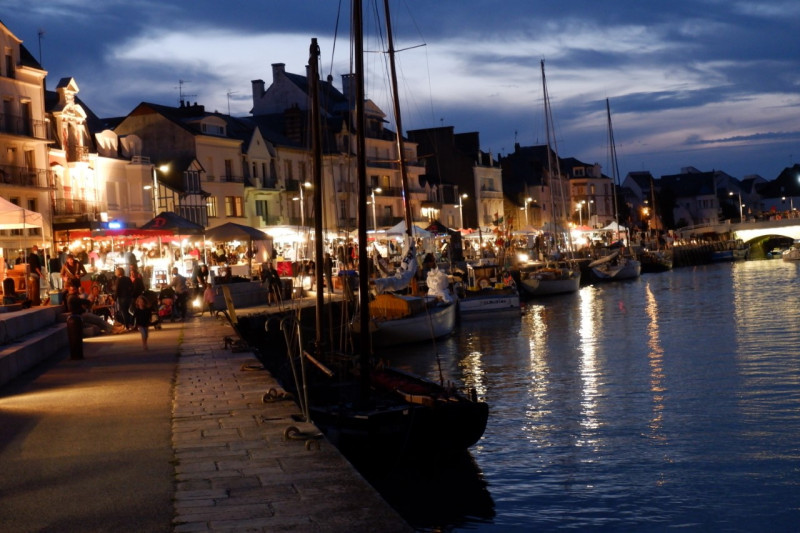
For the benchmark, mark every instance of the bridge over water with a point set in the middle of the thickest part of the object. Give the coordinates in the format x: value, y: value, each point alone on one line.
x: 756, y: 234
x: 749, y: 231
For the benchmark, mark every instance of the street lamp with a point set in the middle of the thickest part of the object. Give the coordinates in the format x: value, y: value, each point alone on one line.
x: 461, y: 208
x: 302, y: 200
x: 589, y: 212
x: 374, y: 217
x: 527, y: 201
x: 164, y: 169
x: 791, y: 202
x: 580, y: 212
x: 741, y: 213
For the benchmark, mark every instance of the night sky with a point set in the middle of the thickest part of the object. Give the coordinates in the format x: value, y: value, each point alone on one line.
x: 704, y: 83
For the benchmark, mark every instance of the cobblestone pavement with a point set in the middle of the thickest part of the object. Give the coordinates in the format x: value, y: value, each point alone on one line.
x: 235, y: 469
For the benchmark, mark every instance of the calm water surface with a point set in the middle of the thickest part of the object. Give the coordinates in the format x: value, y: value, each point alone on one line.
x: 669, y: 402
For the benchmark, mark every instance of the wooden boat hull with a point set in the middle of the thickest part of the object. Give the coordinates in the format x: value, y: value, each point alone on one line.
x: 406, y: 414
x: 489, y: 305
x: 433, y: 323
x: 627, y: 269
x: 535, y: 285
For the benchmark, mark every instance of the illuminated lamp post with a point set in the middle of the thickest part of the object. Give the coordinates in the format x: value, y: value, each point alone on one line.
x: 461, y: 208
x: 164, y: 169
x: 528, y: 200
x: 741, y: 213
x: 374, y: 216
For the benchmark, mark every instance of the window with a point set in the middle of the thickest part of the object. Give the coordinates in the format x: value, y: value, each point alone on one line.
x: 33, y: 207
x: 212, y: 129
x: 262, y: 210
x: 579, y: 172
x: 234, y: 206
x: 192, y: 178
x: 228, y: 170
x: 9, y: 66
x: 289, y: 175
x: 15, y: 201
x: 211, y: 206
x: 343, y: 209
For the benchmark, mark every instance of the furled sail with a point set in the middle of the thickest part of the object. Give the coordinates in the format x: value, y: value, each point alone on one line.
x: 402, y: 276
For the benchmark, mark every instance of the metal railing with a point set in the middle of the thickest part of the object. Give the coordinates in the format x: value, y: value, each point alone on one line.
x: 17, y: 125
x: 65, y: 206
x: 24, y: 176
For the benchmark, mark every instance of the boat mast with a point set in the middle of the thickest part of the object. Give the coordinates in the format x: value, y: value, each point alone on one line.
x: 399, y: 123
x: 552, y: 153
x: 612, y: 154
x: 361, y: 176
x: 316, y: 148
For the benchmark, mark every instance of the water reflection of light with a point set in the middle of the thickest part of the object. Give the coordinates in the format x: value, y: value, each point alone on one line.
x: 537, y: 406
x: 588, y: 367
x: 656, y: 360
x: 474, y: 373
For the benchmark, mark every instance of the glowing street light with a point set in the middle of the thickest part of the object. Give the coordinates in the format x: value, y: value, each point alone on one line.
x: 461, y: 208
x: 164, y: 169
x: 580, y: 212
x: 374, y: 217
x: 527, y: 201
x: 741, y: 212
x: 791, y: 202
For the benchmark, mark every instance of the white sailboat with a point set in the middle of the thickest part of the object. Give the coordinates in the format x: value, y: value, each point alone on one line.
x: 397, y: 318
x: 378, y: 409
x: 619, y: 264
x: 554, y: 276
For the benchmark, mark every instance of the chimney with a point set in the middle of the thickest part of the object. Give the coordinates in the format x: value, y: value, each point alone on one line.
x: 278, y: 70
x: 348, y: 86
x: 258, y: 90
x: 308, y: 72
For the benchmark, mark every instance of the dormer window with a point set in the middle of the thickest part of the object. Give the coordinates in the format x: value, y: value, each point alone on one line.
x: 212, y: 129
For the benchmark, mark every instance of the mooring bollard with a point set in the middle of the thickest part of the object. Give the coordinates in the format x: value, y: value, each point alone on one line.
x: 75, y: 336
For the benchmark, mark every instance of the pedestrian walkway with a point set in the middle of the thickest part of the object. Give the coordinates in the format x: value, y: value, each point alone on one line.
x: 177, y: 438
x: 235, y: 468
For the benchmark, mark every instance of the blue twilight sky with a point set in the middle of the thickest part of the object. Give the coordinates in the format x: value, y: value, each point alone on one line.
x: 713, y: 84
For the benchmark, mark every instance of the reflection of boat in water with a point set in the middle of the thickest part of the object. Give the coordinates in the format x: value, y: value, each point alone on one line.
x: 733, y: 250
x: 489, y: 292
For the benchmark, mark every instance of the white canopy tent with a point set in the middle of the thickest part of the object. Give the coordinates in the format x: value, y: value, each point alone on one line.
x: 400, y: 229
x: 13, y: 217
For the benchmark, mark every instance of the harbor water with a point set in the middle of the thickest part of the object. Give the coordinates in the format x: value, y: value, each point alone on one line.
x: 667, y: 402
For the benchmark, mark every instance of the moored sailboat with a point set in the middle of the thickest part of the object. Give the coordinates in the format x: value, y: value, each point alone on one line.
x: 374, y: 408
x: 553, y: 276
x: 619, y: 264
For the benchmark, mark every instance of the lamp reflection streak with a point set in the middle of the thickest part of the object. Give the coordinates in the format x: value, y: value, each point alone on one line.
x: 588, y: 369
x: 656, y: 360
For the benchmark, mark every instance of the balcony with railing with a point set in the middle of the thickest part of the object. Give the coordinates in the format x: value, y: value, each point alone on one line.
x: 66, y: 206
x: 18, y: 125
x: 24, y: 176
x: 231, y: 179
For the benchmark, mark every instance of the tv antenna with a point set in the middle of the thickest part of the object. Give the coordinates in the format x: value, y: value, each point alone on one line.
x: 229, y: 93
x: 182, y: 97
x: 41, y: 35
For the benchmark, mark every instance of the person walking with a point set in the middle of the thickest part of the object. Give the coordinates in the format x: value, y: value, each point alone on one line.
x: 123, y: 295
x: 143, y: 315
x: 181, y: 289
x: 272, y: 280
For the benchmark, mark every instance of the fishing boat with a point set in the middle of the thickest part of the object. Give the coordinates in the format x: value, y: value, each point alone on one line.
x: 488, y: 292
x: 792, y: 253
x: 371, y: 408
x: 620, y: 263
x: 655, y: 260
x: 555, y: 275
x: 730, y: 250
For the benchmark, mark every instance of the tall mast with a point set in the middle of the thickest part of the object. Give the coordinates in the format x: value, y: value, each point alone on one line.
x: 361, y: 172
x: 399, y: 124
x: 612, y: 154
x: 316, y: 149
x: 552, y: 153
